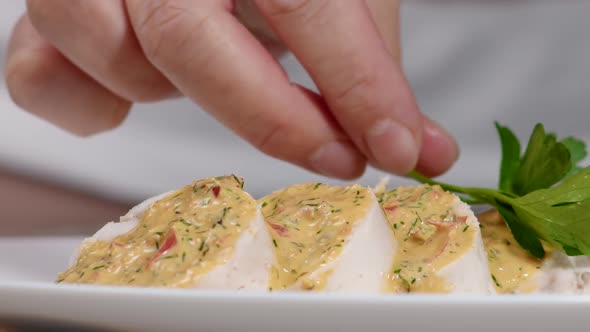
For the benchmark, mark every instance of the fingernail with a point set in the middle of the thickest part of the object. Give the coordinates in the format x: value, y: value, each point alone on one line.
x: 338, y: 159
x: 439, y: 150
x: 393, y: 146
x: 433, y: 132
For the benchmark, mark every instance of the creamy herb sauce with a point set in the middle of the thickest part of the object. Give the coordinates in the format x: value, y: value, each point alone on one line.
x: 309, y: 224
x: 430, y: 236
x: 511, y: 266
x: 178, y: 239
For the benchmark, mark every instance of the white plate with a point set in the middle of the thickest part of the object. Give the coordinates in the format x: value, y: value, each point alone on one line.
x: 28, y: 267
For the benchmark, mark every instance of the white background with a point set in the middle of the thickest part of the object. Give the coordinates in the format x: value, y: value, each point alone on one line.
x: 470, y: 62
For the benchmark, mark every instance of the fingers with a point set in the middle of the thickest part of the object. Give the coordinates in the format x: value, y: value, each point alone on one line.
x: 439, y: 150
x: 201, y: 48
x: 210, y: 57
x: 249, y: 15
x: 337, y: 42
x: 97, y: 38
x: 42, y: 81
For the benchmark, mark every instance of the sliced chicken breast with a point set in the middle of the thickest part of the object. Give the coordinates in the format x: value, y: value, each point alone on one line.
x: 328, y: 238
x: 440, y: 245
x: 209, y: 234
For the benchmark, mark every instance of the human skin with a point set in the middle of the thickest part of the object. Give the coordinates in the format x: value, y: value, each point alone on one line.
x: 82, y: 64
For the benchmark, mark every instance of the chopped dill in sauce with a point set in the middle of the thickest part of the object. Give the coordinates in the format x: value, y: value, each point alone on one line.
x: 308, y: 224
x: 196, y: 223
x: 430, y: 236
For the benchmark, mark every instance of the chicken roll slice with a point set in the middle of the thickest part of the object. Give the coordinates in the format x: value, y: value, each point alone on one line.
x: 208, y: 234
x: 328, y: 238
x: 440, y: 246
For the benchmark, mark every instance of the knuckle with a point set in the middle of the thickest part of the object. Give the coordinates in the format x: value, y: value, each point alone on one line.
x: 160, y: 27
x: 357, y: 94
x: 268, y: 140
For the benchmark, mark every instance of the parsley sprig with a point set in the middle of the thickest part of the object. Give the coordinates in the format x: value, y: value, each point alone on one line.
x: 543, y: 194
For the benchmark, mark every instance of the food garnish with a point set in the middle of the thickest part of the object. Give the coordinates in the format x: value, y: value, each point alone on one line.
x: 543, y: 194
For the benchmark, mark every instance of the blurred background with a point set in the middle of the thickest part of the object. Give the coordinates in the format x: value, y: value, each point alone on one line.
x: 471, y: 62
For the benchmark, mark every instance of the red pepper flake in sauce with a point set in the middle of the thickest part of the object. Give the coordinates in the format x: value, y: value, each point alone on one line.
x: 216, y: 191
x: 178, y: 239
x: 168, y: 244
x: 430, y: 236
x: 390, y: 208
x: 309, y: 223
x: 281, y: 230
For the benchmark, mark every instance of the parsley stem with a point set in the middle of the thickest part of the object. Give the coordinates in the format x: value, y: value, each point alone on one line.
x: 471, y: 201
x: 477, y: 195
x: 421, y: 178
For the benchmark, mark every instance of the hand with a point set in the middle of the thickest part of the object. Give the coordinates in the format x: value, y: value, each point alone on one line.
x: 81, y: 65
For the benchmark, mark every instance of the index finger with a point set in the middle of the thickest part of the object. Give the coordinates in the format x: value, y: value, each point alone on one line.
x: 213, y: 59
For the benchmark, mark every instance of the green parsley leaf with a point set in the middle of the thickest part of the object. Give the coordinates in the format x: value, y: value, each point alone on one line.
x: 522, y: 233
x: 577, y: 149
x: 510, y: 157
x: 544, y: 163
x: 533, y: 207
x: 559, y: 215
